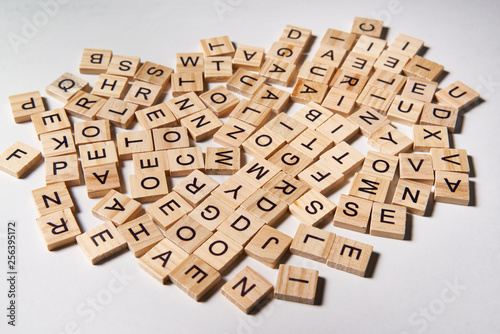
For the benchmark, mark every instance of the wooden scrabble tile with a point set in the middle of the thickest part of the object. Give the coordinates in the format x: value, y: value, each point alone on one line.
x: 64, y: 168
x: 143, y: 93
x: 339, y: 101
x: 440, y: 115
x: 285, y: 187
x: 233, y: 133
x: 339, y: 39
x: 148, y: 187
x: 452, y: 187
x: 183, y: 161
x: 343, y: 157
x: 391, y: 61
x: 248, y: 57
x: 312, y: 115
x: 349, y: 81
x: 369, y: 187
x: 416, y: 167
x: 65, y: 86
x: 100, y: 179
x: 101, y: 242
x: 390, y: 140
x: 52, y: 198
x: 53, y: 120
x: 218, y: 69
x: 141, y: 234
x: 131, y: 142
x: 170, y: 138
x: 380, y: 164
x: 195, y: 187
x: 157, y: 116
x: 18, y: 159
x: 251, y: 112
x: 350, y: 256
x: 353, y: 213
x: 358, y: 62
x: 286, y: 126
x: 388, y: 221
x: 412, y: 195
x: 367, y: 26
x: 406, y: 45
x: 321, y: 177
x: 188, y: 234
x: 285, y: 51
x: 330, y: 55
x: 155, y: 74
x: 84, y: 105
x: 125, y: 66
x: 312, y: 143
x: 92, y: 131
x: 245, y: 83
x: 338, y: 129
x: 97, y: 154
x: 202, y: 125
x: 258, y: 171
x: 278, y: 71
x: 272, y: 97
x: 160, y: 260
x: 263, y: 143
x: 266, y: 206
x: 426, y: 137
x: 195, y: 277
x: 268, y: 246
x: 368, y: 120
x: 169, y: 209
x: 308, y: 91
x: 219, y: 251
x: 312, y: 243
x: 450, y: 160
x: 241, y: 226
x: 290, y: 160
x: 185, y: 105
x: 423, y: 68
x: 222, y: 160
x: 220, y: 100
x: 312, y: 208
x: 211, y: 213
x: 296, y: 284
x: 369, y: 46
x: 190, y: 62
x: 58, y: 143
x: 117, y: 208
x: 316, y: 72
x: 457, y: 95
x: 234, y: 191
x: 95, y: 61
x: 405, y: 110
x: 110, y: 86
x: 25, y: 105
x: 376, y: 98
x: 247, y: 289
x: 217, y: 46
x: 59, y: 229
x: 296, y: 35
x: 419, y: 89
x: 119, y: 113
x: 387, y: 80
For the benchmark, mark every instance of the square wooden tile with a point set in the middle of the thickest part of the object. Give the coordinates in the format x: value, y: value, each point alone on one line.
x: 101, y: 242
x: 58, y: 229
x: 183, y: 161
x: 219, y: 251
x: 296, y: 284
x: 350, y: 256
x: 188, y: 234
x: 388, y: 221
x: 353, y: 213
x: 369, y: 187
x: 141, y: 235
x: 222, y: 160
x: 312, y: 243
x: 18, y: 159
x: 412, y: 195
x: 195, y: 187
x: 312, y: 208
x: 168, y: 210
x: 268, y: 246
x: 241, y: 226
x: 52, y: 198
x: 265, y: 206
x: 452, y: 187
x: 117, y: 208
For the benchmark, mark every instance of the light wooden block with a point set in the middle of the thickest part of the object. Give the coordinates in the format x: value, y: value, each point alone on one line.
x: 330, y: 55
x: 248, y: 57
x: 210, y: 213
x: 369, y: 46
x: 258, y: 171
x: 92, y: 131
x: 380, y: 164
x: 84, y: 105
x: 405, y: 111
x: 375, y: 98
x: 220, y: 100
x: 263, y: 143
x: 155, y: 74
x: 387, y: 80
x: 416, y: 167
x: 388, y: 221
x: 338, y: 129
x: 452, y: 188
x: 58, y: 229
x: 349, y: 81
x: 391, y: 61
x: 186, y: 82
x: 25, y: 105
x: 65, y: 168
x: 312, y: 115
x: 119, y: 113
x: 98, y: 154
x: 58, y: 143
x: 110, y: 86
x: 218, y: 68
x: 321, y: 176
x: 202, y: 125
x: 457, y: 95
x: 233, y: 133
x: 339, y: 101
x: 195, y: 187
x: 419, y: 89
x: 290, y: 160
x: 148, y: 187
x: 222, y: 160
x: 245, y: 83
x: 278, y: 71
x: 296, y: 284
x: 132, y: 142
x: 359, y: 63
x: 312, y: 243
x: 143, y: 93
x: 95, y: 61
x: 266, y: 206
x: 190, y: 62
x: 339, y: 39
x: 285, y: 187
x: 312, y: 208
x: 368, y: 120
x: 412, y: 195
x: 311, y: 143
x: 439, y: 115
x: 271, y: 97
x: 241, y: 226
x: 117, y: 208
x: 234, y: 191
x: 65, y: 86
x: 423, y: 68
x: 185, y: 105
x: 353, y: 213
x: 343, y: 157
x: 296, y: 35
x: 217, y: 46
x: 53, y: 120
x: 390, y: 140
x: 160, y: 260
x: 251, y: 112
x: 141, y: 234
x: 406, y: 45
x: 101, y: 242
x: 125, y: 66
x: 195, y: 277
x: 268, y: 246
x: 316, y: 72
x: 168, y: 210
x: 157, y: 116
x: 285, y: 51
x: 170, y: 138
x: 308, y: 91
x: 219, y: 251
x: 188, y: 234
x: 450, y: 160
x: 369, y: 187
x: 367, y: 26
x: 19, y: 159
x: 247, y: 289
x: 350, y: 256
x: 99, y: 180
x: 286, y: 126
x: 183, y: 161
x: 426, y: 137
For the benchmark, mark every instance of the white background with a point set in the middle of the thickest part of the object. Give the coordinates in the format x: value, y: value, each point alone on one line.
x: 455, y: 245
